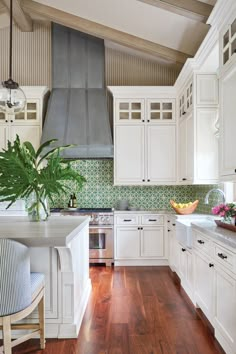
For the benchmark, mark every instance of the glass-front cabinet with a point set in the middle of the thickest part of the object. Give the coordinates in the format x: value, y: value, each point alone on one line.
x: 160, y: 110
x: 229, y: 42
x: 130, y: 110
x: 186, y: 99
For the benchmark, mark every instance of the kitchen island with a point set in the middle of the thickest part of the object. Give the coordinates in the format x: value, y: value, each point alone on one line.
x: 59, y: 248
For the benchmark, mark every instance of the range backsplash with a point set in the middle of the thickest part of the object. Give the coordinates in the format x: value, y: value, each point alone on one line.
x: 100, y: 192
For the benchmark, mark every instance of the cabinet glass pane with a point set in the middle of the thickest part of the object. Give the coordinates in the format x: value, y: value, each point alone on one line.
x: 135, y: 106
x: 233, y: 47
x: 226, y: 39
x: 167, y: 106
x: 20, y: 116
x: 188, y: 103
x: 155, y: 115
x: 31, y: 116
x: 182, y: 99
x: 233, y: 28
x: 155, y: 106
x: 180, y: 113
x: 2, y: 116
x: 124, y: 106
x: 187, y: 92
x: 191, y: 100
x: 136, y: 115
x: 31, y: 106
x: 226, y: 56
x: 191, y: 88
x: 167, y: 115
x: 124, y: 115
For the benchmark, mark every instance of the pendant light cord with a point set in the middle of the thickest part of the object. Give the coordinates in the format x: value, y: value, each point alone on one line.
x: 10, y: 43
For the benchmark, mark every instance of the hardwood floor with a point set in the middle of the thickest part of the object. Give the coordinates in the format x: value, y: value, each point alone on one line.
x: 135, y: 310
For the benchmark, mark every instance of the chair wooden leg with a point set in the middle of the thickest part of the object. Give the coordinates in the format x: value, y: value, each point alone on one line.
x: 6, y: 331
x: 41, y: 306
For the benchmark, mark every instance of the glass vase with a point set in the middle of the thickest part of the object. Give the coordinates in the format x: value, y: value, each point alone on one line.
x: 37, y: 208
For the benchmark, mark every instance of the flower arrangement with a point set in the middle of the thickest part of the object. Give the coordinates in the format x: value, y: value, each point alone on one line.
x: 226, y: 211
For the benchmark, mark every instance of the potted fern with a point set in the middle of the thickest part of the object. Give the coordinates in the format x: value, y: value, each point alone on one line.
x: 35, y: 175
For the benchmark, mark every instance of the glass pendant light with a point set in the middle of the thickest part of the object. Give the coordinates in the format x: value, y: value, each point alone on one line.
x: 12, y: 98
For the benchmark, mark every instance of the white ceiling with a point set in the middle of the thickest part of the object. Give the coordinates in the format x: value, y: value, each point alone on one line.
x: 137, y: 18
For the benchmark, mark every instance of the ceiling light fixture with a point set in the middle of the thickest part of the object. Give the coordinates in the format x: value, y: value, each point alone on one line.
x: 12, y: 98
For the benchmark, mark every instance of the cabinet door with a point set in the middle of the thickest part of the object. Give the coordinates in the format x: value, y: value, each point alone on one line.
x: 227, y: 136
x: 225, y: 307
x: 160, y: 110
x: 206, y: 145
x: 186, y: 149
x: 207, y: 89
x: 30, y: 115
x: 127, y: 243
x: 161, y: 155
x: 30, y: 133
x: 152, y: 242
x: 129, y: 111
x: 204, y: 281
x: 182, y: 262
x: 129, y: 155
x: 4, y: 136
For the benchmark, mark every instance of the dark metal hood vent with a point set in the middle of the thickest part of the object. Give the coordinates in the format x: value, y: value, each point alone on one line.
x: 77, y: 110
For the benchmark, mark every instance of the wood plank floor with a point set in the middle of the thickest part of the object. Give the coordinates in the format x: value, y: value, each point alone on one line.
x: 135, y: 310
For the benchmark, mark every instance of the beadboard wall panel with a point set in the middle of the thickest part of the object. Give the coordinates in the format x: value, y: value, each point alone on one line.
x: 123, y: 69
x: 31, y: 55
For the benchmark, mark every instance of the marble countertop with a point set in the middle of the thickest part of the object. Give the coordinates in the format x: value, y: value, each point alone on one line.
x: 57, y: 231
x: 210, y: 228
x: 151, y: 211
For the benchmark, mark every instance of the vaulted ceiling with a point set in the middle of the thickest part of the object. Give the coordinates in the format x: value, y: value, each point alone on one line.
x: 169, y: 31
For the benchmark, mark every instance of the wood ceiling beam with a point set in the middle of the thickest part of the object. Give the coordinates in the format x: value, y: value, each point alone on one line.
x: 193, y: 9
x: 3, y: 8
x: 104, y: 32
x: 23, y: 21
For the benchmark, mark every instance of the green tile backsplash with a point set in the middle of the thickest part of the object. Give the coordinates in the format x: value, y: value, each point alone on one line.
x: 100, y: 192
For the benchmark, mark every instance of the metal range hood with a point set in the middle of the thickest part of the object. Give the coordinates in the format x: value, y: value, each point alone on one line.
x: 77, y: 110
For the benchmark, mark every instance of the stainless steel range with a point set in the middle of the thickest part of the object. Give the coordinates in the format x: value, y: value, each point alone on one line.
x: 101, y: 236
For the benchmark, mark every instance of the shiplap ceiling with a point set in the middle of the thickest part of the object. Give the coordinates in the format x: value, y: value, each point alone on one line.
x: 169, y: 31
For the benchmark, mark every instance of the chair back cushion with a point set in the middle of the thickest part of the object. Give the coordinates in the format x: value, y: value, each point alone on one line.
x: 15, y: 287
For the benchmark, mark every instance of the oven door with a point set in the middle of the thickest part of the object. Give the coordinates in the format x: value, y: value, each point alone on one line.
x: 101, y: 243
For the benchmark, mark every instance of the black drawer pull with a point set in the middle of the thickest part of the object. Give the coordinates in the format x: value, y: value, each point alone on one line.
x: 211, y: 265
x: 152, y: 219
x: 168, y: 230
x: 183, y: 249
x: 126, y: 220
x: 222, y: 256
x: 201, y: 242
x: 173, y: 224
x: 168, y: 220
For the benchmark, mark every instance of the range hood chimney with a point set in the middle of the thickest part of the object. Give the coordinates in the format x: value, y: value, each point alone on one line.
x: 77, y: 109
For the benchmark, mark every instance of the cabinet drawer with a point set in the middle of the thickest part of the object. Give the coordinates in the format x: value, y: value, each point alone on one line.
x: 152, y: 219
x: 224, y: 256
x: 201, y: 243
x: 124, y: 219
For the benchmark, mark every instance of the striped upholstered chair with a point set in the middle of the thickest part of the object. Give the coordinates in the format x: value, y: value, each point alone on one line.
x: 20, y: 293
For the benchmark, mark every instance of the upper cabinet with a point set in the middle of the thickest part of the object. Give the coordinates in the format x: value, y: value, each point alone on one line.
x: 144, y: 135
x: 198, y: 130
x: 228, y: 42
x: 28, y: 123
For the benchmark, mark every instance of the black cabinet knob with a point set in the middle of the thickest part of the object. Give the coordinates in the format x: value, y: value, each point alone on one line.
x: 173, y: 224
x: 11, y: 121
x: 168, y: 220
x: 143, y: 120
x: 201, y: 242
x: 183, y: 249
x: 168, y: 230
x: 222, y: 256
x: 148, y: 180
x: 148, y: 120
x: 184, y: 113
x: 143, y: 180
x: 211, y: 265
x: 6, y: 120
x: 184, y: 179
x: 235, y: 170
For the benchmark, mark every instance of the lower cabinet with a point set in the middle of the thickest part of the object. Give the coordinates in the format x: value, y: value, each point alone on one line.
x: 185, y: 268
x: 215, y: 291
x: 142, y: 242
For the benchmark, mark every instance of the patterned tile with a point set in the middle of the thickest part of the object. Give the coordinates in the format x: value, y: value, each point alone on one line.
x: 99, y: 191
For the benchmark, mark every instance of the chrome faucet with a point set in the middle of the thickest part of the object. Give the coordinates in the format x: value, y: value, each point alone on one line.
x: 214, y: 190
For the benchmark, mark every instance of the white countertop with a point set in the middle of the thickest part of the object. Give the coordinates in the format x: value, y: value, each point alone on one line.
x: 218, y: 233
x: 57, y: 231
x: 151, y: 211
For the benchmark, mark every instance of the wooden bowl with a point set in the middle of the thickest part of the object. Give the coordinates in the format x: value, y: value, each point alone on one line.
x: 185, y: 211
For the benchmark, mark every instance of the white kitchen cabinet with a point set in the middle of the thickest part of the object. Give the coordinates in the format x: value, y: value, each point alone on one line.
x: 186, y: 99
x: 28, y: 123
x: 129, y: 154
x: 144, y: 136
x: 228, y: 42
x: 140, y: 239
x: 204, y: 282
x: 225, y: 306
x: 215, y: 287
x: 152, y: 242
x: 172, y: 242
x: 127, y: 243
x: 227, y: 124
x: 198, y: 133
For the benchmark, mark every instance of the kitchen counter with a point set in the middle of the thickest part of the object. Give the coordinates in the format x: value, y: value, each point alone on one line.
x: 59, y: 248
x: 210, y: 228
x: 152, y: 211
x: 57, y: 231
